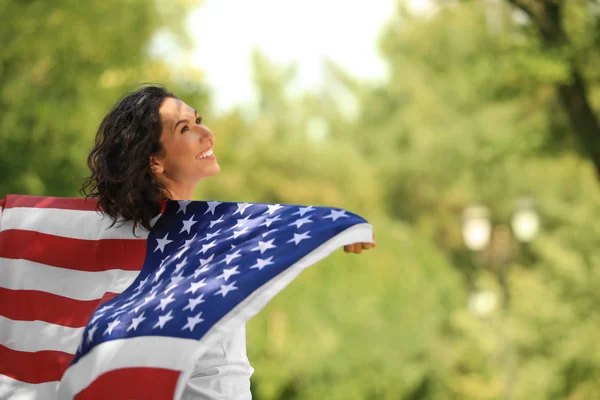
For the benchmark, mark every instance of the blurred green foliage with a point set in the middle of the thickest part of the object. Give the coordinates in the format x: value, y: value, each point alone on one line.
x: 470, y: 114
x: 63, y: 64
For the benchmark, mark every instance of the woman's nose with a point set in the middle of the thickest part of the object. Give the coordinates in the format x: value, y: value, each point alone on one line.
x: 206, y: 133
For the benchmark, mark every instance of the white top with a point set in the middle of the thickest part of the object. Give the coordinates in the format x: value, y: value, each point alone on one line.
x: 223, y: 372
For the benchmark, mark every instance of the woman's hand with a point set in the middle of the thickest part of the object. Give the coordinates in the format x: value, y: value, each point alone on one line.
x: 358, y: 247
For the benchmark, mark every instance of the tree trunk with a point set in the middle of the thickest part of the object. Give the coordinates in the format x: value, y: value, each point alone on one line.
x: 546, y: 15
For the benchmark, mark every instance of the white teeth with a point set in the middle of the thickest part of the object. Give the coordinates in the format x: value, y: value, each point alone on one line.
x: 205, y: 154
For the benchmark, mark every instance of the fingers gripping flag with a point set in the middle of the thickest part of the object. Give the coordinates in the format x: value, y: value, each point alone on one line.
x: 165, y: 298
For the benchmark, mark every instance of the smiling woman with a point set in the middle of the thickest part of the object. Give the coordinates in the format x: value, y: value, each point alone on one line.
x: 149, y: 148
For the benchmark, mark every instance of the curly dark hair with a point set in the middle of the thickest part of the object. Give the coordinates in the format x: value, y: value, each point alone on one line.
x: 121, y: 179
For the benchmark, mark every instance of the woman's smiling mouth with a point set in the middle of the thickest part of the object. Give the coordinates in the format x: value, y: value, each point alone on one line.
x: 205, y: 154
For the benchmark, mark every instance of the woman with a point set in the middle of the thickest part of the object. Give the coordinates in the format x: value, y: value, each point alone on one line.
x: 149, y: 148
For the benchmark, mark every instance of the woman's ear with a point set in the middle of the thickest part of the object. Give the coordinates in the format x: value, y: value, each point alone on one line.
x: 156, y: 166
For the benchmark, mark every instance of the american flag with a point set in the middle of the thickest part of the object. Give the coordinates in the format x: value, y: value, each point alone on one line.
x: 85, y: 309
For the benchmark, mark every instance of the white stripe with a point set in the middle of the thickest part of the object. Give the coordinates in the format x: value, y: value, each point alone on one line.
x: 78, y: 285
x: 181, y: 354
x: 168, y: 353
x: 35, y: 336
x: 77, y: 224
x: 16, y: 390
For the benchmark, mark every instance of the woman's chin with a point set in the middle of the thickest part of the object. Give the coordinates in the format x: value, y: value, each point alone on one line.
x: 211, y: 170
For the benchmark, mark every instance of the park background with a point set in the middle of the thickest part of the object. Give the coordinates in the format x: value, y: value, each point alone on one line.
x: 474, y: 152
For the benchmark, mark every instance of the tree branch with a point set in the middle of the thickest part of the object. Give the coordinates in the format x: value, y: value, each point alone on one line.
x: 547, y: 17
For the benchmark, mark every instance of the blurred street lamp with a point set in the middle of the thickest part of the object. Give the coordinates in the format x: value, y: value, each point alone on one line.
x: 317, y: 129
x: 525, y: 221
x: 476, y: 228
x: 482, y: 303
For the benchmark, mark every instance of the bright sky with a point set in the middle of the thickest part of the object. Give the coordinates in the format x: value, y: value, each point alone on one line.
x: 299, y: 31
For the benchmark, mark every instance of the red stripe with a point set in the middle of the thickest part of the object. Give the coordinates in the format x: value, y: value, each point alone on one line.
x: 33, y: 305
x: 76, y: 254
x: 62, y: 203
x: 65, y: 203
x: 132, y: 383
x: 38, y: 367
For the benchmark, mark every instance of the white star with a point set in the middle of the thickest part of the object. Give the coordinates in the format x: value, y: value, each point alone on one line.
x: 125, y: 305
x: 196, y: 285
x: 301, y: 222
x: 242, y: 222
x: 181, y: 252
x: 193, y: 303
x: 149, y: 298
x: 299, y: 237
x: 141, y: 284
x: 104, y: 308
x: 211, y: 235
x: 241, y: 208
x: 269, y: 221
x: 118, y: 312
x: 162, y: 243
x: 304, y: 210
x: 165, y: 302
x: 96, y: 317
x: 188, y: 242
x: 159, y: 272
x: 336, y: 214
x: 136, y: 309
x: 230, y: 257
x: 273, y: 208
x: 206, y: 247
x: 269, y: 232
x: 239, y: 233
x: 264, y: 246
x: 184, y: 249
x: 212, y: 205
x: 187, y: 225
x: 204, y: 264
x: 192, y: 322
x: 111, y: 326
x: 175, y: 281
x: 228, y: 272
x: 216, y: 221
x: 182, y: 206
x: 163, y: 319
x: 200, y: 271
x: 226, y: 289
x: 135, y: 322
x: 204, y: 261
x: 164, y: 260
x: 180, y: 265
x: 260, y: 263
x: 90, y: 333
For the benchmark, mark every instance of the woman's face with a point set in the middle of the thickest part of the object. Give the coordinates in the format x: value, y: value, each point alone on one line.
x: 188, y: 149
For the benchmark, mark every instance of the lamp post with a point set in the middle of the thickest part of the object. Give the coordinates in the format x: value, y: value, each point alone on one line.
x: 497, y: 243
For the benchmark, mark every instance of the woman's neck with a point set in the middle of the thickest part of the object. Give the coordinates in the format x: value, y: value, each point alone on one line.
x: 180, y: 193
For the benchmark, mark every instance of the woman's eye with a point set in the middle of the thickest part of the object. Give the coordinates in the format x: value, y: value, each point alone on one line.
x: 199, y: 120
x: 184, y: 129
